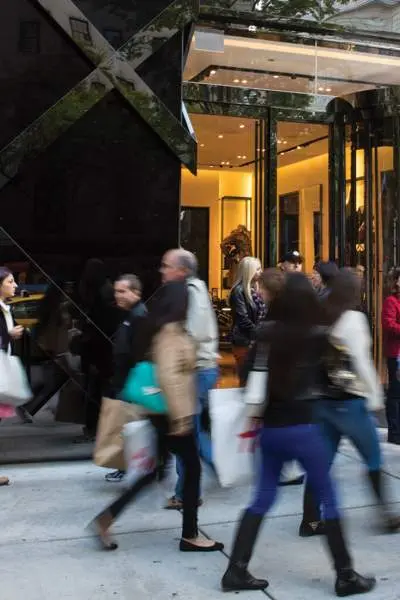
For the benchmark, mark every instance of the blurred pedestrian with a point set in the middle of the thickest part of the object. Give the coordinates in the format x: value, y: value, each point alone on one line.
x: 295, y: 342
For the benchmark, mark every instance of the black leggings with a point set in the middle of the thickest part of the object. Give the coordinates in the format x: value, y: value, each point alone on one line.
x: 185, y: 447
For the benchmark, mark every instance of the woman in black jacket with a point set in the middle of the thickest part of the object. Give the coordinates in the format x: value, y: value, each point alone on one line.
x: 295, y: 344
x: 247, y: 310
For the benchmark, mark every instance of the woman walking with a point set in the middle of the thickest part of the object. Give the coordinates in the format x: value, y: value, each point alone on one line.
x: 295, y: 344
x: 171, y: 349
x: 9, y: 332
x: 350, y: 389
x: 247, y: 308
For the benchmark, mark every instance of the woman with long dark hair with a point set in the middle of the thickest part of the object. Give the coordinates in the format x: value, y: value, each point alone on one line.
x: 165, y: 342
x: 295, y: 342
x: 350, y: 389
x: 9, y: 332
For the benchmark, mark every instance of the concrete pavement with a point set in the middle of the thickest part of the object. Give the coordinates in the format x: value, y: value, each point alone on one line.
x: 47, y: 554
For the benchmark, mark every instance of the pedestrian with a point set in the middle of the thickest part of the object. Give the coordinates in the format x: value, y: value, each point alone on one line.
x: 128, y: 298
x: 350, y: 389
x: 391, y: 348
x: 201, y: 324
x: 98, y: 323
x: 322, y: 277
x: 292, y: 261
x: 51, y: 334
x: 9, y: 333
x: 247, y: 310
x: 295, y: 342
x: 172, y: 350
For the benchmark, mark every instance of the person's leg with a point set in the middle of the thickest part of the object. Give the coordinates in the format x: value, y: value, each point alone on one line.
x: 240, y: 355
x: 185, y: 447
x: 393, y: 403
x: 206, y: 381
x: 237, y: 577
x: 54, y: 378
x: 312, y: 454
x: 359, y: 427
x: 310, y: 524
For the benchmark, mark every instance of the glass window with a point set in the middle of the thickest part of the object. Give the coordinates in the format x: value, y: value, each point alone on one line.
x: 29, y: 37
x: 113, y: 36
x: 80, y: 30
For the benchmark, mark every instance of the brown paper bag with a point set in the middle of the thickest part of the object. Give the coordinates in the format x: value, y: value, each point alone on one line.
x: 109, y: 448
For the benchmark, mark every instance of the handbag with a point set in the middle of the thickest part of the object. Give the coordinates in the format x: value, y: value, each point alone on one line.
x: 109, y: 447
x: 14, y: 386
x: 142, y: 387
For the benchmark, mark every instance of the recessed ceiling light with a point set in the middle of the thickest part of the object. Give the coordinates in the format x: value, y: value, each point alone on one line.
x: 213, y: 72
x: 320, y: 89
x: 201, y: 145
x: 244, y: 80
x: 242, y: 126
x: 227, y: 162
x: 240, y: 156
x: 328, y: 89
x: 276, y: 76
x: 299, y: 147
x: 220, y: 136
x: 211, y: 166
x: 285, y: 141
x: 244, y: 156
x: 236, y: 81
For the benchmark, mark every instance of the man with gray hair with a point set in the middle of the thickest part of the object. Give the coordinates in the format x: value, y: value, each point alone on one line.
x: 181, y: 265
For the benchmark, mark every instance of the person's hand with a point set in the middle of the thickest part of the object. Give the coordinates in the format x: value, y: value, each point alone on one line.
x: 17, y: 332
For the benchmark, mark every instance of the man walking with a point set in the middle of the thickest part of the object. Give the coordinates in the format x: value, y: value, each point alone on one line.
x: 128, y: 294
x: 179, y: 265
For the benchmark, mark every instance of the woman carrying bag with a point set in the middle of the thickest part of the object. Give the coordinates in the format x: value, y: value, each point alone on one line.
x: 168, y: 347
x: 9, y: 332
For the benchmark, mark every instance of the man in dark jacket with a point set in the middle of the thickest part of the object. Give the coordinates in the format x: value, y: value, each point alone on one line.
x: 128, y: 294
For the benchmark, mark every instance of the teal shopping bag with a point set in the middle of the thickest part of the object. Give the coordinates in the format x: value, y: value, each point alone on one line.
x: 141, y: 387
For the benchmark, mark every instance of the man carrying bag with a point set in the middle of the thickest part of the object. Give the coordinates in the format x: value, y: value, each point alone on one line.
x: 115, y: 413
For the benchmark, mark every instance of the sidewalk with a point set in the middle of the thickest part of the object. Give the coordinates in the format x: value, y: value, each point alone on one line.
x: 46, y: 554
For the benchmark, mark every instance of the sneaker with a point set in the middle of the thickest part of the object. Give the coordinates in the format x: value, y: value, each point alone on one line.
x: 115, y: 476
x: 24, y: 415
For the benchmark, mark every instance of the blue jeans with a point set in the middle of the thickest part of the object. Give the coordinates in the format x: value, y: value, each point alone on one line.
x: 337, y: 419
x: 206, y: 380
x: 305, y: 444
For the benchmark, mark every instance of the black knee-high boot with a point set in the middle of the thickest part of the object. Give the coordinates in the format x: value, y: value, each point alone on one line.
x: 391, y: 522
x: 348, y: 582
x: 311, y: 523
x: 237, y: 577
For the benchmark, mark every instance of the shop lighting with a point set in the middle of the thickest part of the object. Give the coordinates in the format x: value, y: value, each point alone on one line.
x: 213, y: 72
x: 236, y: 81
x: 276, y: 76
x: 201, y: 145
x: 244, y: 80
x: 242, y: 126
x: 220, y: 136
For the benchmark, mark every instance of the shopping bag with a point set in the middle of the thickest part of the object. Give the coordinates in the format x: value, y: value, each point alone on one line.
x: 142, y: 388
x: 233, y: 444
x: 14, y: 386
x: 140, y: 450
x: 109, y: 447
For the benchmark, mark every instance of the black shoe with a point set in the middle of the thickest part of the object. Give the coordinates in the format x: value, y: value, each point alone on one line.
x: 186, y: 546
x: 115, y: 476
x: 297, y: 481
x: 311, y: 529
x: 24, y: 415
x: 237, y: 579
x: 102, y: 537
x: 350, y: 583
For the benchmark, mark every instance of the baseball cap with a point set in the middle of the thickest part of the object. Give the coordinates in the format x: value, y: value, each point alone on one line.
x: 293, y: 257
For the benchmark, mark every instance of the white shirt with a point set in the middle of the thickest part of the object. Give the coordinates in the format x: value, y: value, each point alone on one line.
x: 6, y: 310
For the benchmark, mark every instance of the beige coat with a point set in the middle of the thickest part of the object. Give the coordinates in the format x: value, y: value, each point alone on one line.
x: 174, y: 355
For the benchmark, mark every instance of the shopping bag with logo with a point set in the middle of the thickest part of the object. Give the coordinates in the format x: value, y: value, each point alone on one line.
x: 140, y: 446
x: 109, y: 448
x: 14, y: 386
x: 142, y: 388
x: 233, y: 443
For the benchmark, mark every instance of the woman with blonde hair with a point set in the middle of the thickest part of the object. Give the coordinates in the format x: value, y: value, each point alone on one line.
x: 247, y: 307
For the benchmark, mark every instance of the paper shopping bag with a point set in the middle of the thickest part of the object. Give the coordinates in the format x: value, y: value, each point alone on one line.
x: 109, y: 447
x: 233, y: 445
x: 140, y: 445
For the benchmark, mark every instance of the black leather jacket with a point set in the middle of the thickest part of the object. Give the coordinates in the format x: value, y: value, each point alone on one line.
x: 244, y: 317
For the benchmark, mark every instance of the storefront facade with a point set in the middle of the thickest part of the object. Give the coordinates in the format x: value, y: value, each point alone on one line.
x: 129, y: 127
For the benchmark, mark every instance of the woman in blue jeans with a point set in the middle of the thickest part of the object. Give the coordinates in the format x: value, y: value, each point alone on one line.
x: 295, y: 345
x: 350, y: 390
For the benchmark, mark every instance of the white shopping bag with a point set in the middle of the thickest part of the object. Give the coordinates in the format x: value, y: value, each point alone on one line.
x: 232, y: 444
x: 14, y: 386
x: 140, y: 448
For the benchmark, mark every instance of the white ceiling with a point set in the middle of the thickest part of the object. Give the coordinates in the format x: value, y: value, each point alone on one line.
x: 316, y: 63
x: 238, y: 140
